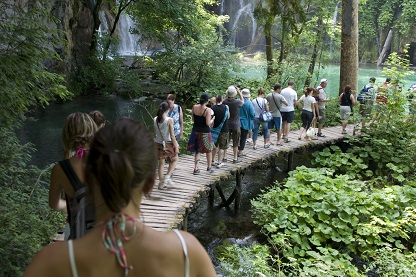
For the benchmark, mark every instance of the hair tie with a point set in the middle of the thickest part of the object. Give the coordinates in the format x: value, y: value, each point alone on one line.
x: 81, y: 152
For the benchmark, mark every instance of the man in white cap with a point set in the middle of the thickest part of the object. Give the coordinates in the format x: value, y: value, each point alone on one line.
x: 234, y: 120
x: 322, y: 106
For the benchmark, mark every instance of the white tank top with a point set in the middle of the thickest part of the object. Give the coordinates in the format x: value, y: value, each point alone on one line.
x: 162, y: 130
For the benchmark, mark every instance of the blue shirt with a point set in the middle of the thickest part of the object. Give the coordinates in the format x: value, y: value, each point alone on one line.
x: 247, y: 115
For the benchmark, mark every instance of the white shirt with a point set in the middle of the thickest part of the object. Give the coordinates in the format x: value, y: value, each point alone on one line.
x: 308, y: 102
x: 291, y: 97
x: 322, y: 96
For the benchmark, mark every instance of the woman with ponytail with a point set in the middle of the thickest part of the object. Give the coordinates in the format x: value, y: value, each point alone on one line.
x: 200, y: 140
x: 68, y: 175
x: 120, y: 169
x: 166, y: 144
x: 308, y: 111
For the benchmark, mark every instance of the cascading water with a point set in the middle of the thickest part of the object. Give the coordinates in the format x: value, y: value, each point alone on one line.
x: 129, y: 43
x: 334, y: 23
x: 242, y: 26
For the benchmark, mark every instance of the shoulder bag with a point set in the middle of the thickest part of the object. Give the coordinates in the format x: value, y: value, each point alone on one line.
x: 264, y: 116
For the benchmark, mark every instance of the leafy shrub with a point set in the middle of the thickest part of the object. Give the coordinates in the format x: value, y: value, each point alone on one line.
x: 388, y: 261
x: 26, y: 219
x: 254, y: 260
x: 343, y: 163
x: 321, y: 213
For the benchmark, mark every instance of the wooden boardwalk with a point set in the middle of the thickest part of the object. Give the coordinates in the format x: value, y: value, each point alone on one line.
x: 167, y: 209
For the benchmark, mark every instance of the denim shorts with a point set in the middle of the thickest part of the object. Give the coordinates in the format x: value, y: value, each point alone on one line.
x: 275, y: 122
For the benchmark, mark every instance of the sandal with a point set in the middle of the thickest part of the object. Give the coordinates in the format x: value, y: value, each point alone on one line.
x: 320, y: 135
x: 224, y: 160
x: 210, y: 169
x: 286, y: 140
x: 196, y: 171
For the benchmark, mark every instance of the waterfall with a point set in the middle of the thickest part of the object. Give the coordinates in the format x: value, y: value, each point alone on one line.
x: 242, y: 25
x: 129, y: 43
x: 334, y: 23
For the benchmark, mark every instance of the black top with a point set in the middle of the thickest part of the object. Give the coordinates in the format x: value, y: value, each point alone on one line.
x: 200, y: 124
x: 219, y: 112
x: 346, y: 99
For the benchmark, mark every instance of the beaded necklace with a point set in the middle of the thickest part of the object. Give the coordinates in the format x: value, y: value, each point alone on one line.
x: 113, y: 235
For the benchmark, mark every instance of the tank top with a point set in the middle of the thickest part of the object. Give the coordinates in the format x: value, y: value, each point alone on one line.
x: 200, y: 124
x: 74, y: 265
x: 346, y: 99
x: 162, y: 130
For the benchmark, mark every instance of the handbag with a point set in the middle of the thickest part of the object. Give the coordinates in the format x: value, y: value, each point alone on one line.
x: 310, y: 132
x: 264, y: 116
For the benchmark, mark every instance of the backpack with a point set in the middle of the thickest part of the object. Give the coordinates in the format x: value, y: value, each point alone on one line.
x: 81, y: 213
x: 361, y: 97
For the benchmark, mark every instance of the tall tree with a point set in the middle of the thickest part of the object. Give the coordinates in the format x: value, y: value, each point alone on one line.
x: 349, y: 45
x: 290, y: 13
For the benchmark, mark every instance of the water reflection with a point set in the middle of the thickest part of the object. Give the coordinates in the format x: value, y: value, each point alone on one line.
x: 44, y: 130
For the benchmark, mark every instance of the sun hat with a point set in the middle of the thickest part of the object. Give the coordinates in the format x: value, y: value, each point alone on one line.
x: 324, y: 80
x: 231, y: 91
x: 246, y: 92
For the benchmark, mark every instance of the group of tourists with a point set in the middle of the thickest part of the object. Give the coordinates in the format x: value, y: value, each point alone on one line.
x: 220, y: 122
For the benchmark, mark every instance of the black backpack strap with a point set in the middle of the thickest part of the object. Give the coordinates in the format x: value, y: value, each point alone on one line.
x: 71, y: 175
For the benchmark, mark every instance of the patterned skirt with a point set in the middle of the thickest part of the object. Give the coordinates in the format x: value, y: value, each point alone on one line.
x: 200, y: 142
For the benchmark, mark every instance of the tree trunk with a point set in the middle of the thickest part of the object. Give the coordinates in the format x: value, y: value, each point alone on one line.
x: 97, y: 23
x: 386, y: 48
x: 349, y: 45
x: 269, y: 50
x: 314, y: 56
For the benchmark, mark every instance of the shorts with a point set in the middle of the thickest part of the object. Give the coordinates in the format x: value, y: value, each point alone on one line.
x: 365, y: 111
x: 345, y: 112
x: 235, y: 136
x: 276, y: 122
x: 200, y: 142
x: 322, y: 115
x: 169, y: 152
x: 288, y: 116
x: 223, y: 140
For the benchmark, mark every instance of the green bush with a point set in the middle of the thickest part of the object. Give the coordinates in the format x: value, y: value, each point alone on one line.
x: 326, y: 218
x: 26, y: 219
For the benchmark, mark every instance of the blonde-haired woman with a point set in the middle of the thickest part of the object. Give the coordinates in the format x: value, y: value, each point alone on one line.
x: 77, y: 134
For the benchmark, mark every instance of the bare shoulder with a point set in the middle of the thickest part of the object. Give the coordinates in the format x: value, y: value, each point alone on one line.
x: 200, y: 261
x: 50, y: 261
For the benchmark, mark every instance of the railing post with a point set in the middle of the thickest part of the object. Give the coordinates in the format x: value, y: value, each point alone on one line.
x: 290, y: 161
x: 238, y: 186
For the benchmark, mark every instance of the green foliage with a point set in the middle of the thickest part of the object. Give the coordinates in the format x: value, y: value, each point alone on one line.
x: 108, y: 76
x: 343, y: 163
x: 254, y: 260
x: 388, y: 261
x: 321, y: 213
x: 194, y: 68
x: 27, y: 42
x: 26, y: 219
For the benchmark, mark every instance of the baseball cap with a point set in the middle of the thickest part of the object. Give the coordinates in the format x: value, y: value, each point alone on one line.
x: 324, y: 80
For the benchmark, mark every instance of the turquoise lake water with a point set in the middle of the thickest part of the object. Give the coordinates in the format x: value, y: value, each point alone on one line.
x: 257, y: 70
